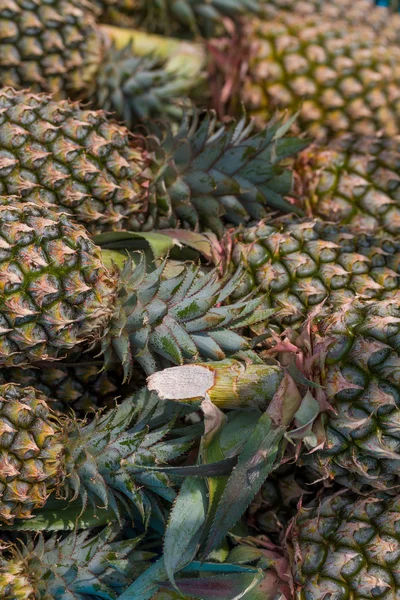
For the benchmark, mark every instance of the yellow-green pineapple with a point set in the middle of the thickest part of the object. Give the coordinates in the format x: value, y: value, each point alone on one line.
x: 57, y: 47
x: 56, y: 293
x: 101, y: 463
x: 299, y: 264
x: 340, y: 76
x: 80, y: 162
x: 354, y: 180
x: 340, y: 546
x: 36, y: 568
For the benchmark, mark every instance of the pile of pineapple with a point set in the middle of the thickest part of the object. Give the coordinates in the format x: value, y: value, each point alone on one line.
x: 199, y: 300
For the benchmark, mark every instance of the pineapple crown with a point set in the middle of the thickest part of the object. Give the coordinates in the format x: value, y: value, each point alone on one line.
x: 81, y: 566
x: 104, y: 461
x: 135, y: 88
x: 162, y: 321
x: 206, y: 173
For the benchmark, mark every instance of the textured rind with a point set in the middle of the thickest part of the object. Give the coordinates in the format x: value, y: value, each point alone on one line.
x: 342, y: 78
x: 355, y: 180
x: 77, y: 383
x: 348, y: 547
x: 358, y: 346
x: 51, y: 47
x: 300, y: 264
x: 55, y: 290
x: 355, y: 14
x: 70, y: 159
x: 30, y: 451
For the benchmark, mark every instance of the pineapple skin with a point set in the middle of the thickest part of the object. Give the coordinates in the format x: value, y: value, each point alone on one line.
x: 340, y: 78
x: 55, y: 290
x: 352, y: 181
x: 76, y: 383
x: 348, y: 546
x: 299, y: 264
x: 360, y: 375
x: 362, y: 13
x: 30, y: 449
x: 343, y: 546
x: 62, y: 156
x: 51, y: 47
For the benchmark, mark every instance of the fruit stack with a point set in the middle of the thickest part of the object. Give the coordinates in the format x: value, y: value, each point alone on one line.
x: 199, y: 300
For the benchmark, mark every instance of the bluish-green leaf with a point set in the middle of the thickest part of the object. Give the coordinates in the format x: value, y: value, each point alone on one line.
x: 185, y: 525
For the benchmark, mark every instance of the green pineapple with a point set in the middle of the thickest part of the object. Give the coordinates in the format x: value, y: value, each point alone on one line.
x: 57, y: 47
x: 80, y: 566
x: 76, y: 160
x: 353, y: 353
x: 298, y: 264
x: 56, y: 292
x: 352, y: 181
x: 355, y: 14
x: 102, y: 463
x: 340, y: 77
x: 169, y: 16
x: 346, y: 547
x: 76, y: 383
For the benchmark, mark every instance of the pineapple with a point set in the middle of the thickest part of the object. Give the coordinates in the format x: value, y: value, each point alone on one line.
x: 345, y: 366
x: 341, y: 78
x: 76, y: 383
x: 353, y: 353
x: 169, y: 16
x: 352, y: 181
x: 80, y: 566
x: 346, y: 547
x: 102, y: 463
x: 76, y: 160
x: 56, y: 293
x: 300, y: 264
x: 57, y: 47
x: 357, y: 13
